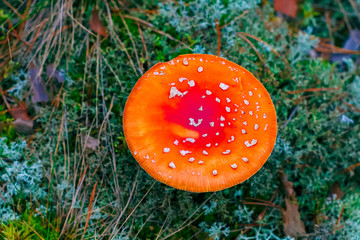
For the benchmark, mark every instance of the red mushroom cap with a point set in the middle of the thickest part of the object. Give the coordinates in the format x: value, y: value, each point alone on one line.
x: 200, y: 123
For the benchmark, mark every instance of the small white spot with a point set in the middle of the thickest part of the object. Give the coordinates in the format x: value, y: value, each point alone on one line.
x: 265, y: 127
x: 246, y: 102
x: 235, y: 110
x: 248, y: 144
x: 222, y: 118
x: 192, y: 122
x: 212, y: 124
x: 236, y: 80
x: 200, y: 69
x: 214, y: 172
x: 233, y: 166
x: 153, y: 161
x: 227, y: 109
x: 256, y: 116
x: 256, y: 127
x: 166, y: 150
x: 250, y: 93
x: 226, y: 152
x: 204, y: 135
x: 217, y: 99
x: 185, y: 62
x: 135, y: 152
x: 222, y: 125
x: 172, y: 165
x: 201, y: 59
x: 172, y: 84
x: 243, y: 131
x: 181, y: 79
x: 242, y: 112
x: 147, y: 157
x: 223, y: 63
x: 203, y: 96
x: 191, y: 159
x: 175, y: 92
x: 163, y: 67
x: 245, y: 159
x: 245, y: 123
x: 232, y: 138
x: 161, y: 73
x: 189, y: 140
x: 191, y: 83
x: 201, y: 108
x: 216, y: 144
x: 217, y: 133
x: 201, y: 162
x: 228, y: 100
x: 236, y: 105
x: 259, y: 95
x: 208, y: 92
x: 184, y: 152
x: 257, y: 108
x: 176, y: 142
x: 234, y: 119
x: 264, y: 115
x: 205, y: 152
x: 251, y: 113
x: 223, y: 86
x: 208, y: 145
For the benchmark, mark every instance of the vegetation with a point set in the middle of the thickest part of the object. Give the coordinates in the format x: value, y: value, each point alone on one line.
x: 67, y: 67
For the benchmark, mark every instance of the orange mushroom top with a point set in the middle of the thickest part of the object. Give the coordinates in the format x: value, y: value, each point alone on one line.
x: 200, y: 123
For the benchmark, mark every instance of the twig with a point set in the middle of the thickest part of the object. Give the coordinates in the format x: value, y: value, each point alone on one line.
x: 291, y: 115
x: 235, y: 19
x: 90, y: 207
x: 218, y: 36
x: 143, y: 42
x: 252, y: 46
x: 313, y: 90
x: 156, y: 30
x: 263, y: 204
x: 351, y: 168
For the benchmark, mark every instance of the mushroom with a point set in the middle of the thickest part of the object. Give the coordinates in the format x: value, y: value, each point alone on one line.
x: 200, y: 123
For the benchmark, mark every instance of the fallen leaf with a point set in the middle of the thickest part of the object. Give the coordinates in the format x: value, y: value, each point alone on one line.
x: 293, y: 225
x: 287, y: 7
x: 96, y: 24
x: 52, y: 72
x: 90, y: 142
x: 352, y: 43
x: 19, y: 112
x: 336, y: 191
x: 39, y: 91
x: 22, y: 126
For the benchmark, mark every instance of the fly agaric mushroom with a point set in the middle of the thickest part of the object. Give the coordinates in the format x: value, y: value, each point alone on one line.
x: 200, y: 123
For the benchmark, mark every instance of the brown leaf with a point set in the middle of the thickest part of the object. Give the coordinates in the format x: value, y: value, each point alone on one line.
x: 19, y: 112
x: 96, y: 24
x: 22, y: 126
x: 90, y: 142
x: 336, y: 190
x: 39, y: 91
x: 293, y: 226
x: 52, y: 72
x: 287, y: 7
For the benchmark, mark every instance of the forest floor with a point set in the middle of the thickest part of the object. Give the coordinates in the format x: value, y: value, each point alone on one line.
x: 67, y: 68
